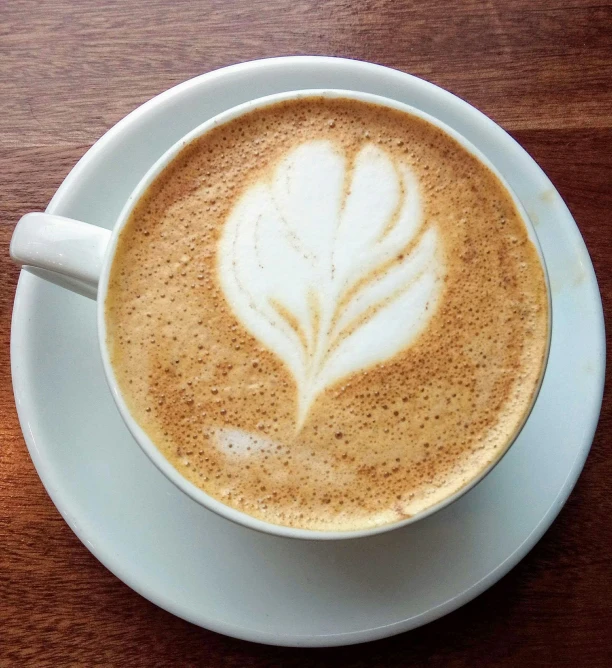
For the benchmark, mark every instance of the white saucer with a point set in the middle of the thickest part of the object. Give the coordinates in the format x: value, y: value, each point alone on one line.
x: 233, y: 580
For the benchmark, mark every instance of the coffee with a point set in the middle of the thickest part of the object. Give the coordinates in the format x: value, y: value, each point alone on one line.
x: 327, y: 314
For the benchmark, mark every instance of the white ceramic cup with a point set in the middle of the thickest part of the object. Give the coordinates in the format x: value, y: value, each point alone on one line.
x: 79, y: 256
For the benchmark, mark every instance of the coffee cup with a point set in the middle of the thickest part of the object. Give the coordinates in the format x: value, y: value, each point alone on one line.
x: 322, y: 314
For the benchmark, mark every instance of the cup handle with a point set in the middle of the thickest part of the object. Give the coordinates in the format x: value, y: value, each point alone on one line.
x: 66, y: 252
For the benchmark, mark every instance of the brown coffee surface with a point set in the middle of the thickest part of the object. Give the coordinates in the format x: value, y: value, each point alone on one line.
x: 384, y: 442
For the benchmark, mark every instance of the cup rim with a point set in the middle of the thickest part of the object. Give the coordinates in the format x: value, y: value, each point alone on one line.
x: 143, y: 439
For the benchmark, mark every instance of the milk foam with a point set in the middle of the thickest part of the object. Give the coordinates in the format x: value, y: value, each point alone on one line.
x: 238, y: 442
x: 329, y: 264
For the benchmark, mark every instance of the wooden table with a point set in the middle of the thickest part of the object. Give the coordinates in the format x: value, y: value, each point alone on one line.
x: 69, y: 71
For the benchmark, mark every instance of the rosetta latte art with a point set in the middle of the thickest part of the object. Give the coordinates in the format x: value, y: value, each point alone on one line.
x: 330, y: 265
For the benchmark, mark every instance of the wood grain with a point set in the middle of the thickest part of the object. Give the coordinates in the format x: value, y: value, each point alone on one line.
x: 69, y: 71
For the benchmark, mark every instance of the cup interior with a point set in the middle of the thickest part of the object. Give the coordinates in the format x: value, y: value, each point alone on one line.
x: 141, y: 436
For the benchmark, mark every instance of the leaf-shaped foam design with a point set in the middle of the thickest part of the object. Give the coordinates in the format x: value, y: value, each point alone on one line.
x: 329, y: 263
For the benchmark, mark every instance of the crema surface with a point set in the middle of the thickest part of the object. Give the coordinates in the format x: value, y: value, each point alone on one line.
x: 327, y: 314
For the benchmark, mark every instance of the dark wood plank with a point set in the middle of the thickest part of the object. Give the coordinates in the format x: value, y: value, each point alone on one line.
x: 69, y: 71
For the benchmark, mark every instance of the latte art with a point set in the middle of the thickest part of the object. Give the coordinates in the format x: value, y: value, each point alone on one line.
x: 330, y: 265
x: 327, y: 314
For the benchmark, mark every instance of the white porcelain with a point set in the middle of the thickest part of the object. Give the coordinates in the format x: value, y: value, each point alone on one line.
x: 261, y: 587
x: 79, y: 256
x: 61, y: 250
